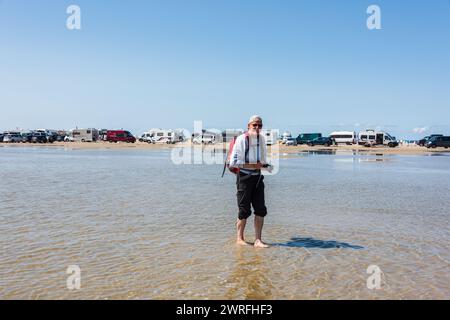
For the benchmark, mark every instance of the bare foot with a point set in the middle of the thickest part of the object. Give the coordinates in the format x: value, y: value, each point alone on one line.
x: 242, y: 243
x: 260, y: 244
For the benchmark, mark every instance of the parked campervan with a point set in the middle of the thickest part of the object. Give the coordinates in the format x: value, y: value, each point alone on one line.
x: 208, y: 136
x: 286, y: 136
x: 146, y: 137
x: 83, y: 135
x: 205, y: 138
x: 120, y: 136
x: 305, y: 138
x: 341, y: 137
x: 164, y: 136
x: 271, y: 136
x: 372, y: 137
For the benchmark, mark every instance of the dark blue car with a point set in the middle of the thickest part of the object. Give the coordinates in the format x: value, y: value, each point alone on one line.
x: 322, y: 141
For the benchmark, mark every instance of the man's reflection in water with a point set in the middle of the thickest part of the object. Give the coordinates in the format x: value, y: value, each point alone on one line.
x: 249, y: 279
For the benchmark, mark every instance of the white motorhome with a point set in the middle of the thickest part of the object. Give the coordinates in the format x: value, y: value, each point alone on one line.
x: 83, y: 135
x: 270, y: 135
x: 347, y: 137
x: 206, y: 138
x: 286, y: 136
x: 164, y: 136
x: 146, y: 137
x: 372, y: 137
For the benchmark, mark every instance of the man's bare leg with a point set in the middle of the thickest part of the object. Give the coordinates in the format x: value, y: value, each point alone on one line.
x: 259, y: 223
x: 240, y: 225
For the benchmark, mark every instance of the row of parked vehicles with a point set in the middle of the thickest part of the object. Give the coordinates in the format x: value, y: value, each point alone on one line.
x: 367, y: 138
x: 94, y: 135
x: 206, y: 137
x: 167, y: 136
x: 37, y: 136
x: 435, y: 141
x: 76, y: 135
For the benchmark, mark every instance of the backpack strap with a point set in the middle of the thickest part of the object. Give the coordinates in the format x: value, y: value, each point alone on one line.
x: 247, y: 148
x: 257, y: 151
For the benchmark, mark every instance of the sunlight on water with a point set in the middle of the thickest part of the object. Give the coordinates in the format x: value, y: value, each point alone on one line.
x: 140, y: 227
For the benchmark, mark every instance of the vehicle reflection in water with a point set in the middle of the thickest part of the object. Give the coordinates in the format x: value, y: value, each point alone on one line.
x: 338, y: 152
x: 317, y: 152
x: 374, y: 160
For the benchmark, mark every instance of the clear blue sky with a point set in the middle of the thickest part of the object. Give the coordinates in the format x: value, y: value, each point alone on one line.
x: 303, y: 65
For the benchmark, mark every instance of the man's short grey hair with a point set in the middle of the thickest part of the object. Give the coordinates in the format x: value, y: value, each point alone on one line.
x: 254, y: 118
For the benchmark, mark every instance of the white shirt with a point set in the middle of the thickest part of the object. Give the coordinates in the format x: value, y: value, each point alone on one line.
x: 237, y: 159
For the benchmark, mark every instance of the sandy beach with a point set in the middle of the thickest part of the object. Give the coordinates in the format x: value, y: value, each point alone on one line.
x: 406, y: 150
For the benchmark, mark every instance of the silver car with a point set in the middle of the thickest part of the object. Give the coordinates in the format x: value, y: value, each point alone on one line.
x: 291, y: 142
x: 12, y: 137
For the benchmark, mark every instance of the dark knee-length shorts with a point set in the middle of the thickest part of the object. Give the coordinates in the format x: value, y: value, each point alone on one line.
x: 250, y: 193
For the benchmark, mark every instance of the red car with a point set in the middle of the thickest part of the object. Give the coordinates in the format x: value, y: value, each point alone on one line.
x: 120, y: 135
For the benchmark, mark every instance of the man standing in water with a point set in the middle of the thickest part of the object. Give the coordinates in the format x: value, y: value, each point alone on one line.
x: 249, y: 157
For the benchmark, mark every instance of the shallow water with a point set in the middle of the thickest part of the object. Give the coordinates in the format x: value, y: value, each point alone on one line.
x: 140, y: 227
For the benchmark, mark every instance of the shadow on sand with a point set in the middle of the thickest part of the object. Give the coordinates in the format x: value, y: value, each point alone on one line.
x: 314, y: 243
